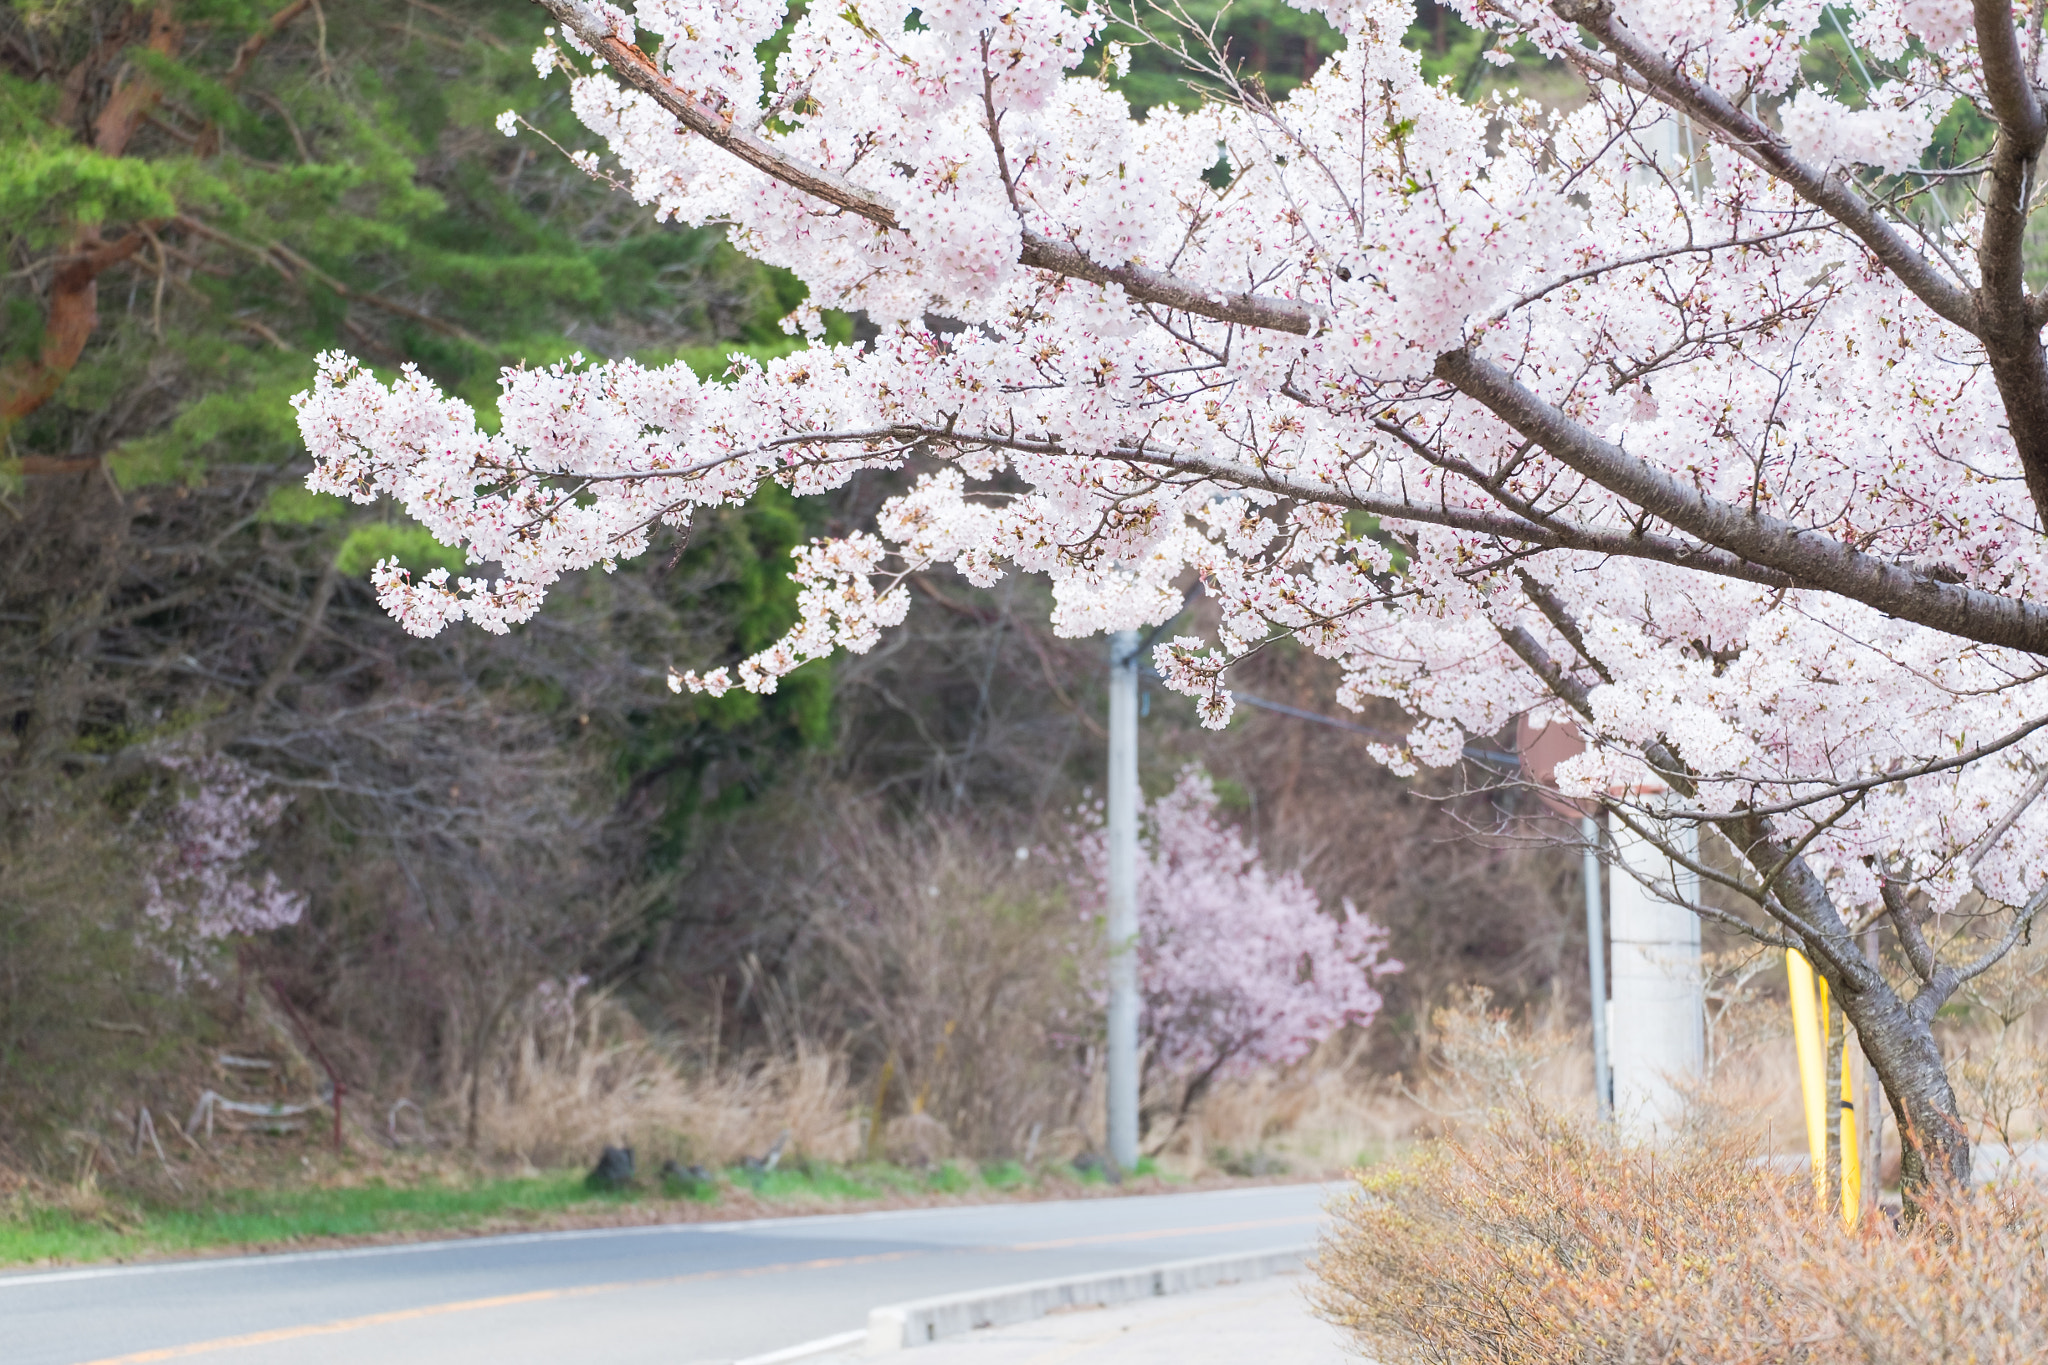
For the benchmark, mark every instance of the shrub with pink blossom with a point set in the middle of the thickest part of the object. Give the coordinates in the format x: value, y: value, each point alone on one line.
x: 1238, y: 965
x: 200, y: 887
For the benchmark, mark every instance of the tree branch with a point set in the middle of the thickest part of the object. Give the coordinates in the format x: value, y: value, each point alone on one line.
x: 2009, y: 329
x: 721, y: 127
x: 73, y: 316
x: 1757, y: 548
x: 1810, y: 560
x: 245, y: 55
x: 74, y: 313
x: 302, y: 639
x: 1764, y: 145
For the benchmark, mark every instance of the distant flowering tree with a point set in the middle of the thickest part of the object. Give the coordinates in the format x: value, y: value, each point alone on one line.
x: 200, y: 888
x: 1738, y: 459
x: 1238, y: 966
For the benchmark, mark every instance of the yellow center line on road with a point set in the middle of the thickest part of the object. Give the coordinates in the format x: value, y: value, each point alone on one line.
x: 323, y: 1329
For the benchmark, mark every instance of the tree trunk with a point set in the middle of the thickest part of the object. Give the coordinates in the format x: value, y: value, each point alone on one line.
x: 73, y: 310
x: 1935, y: 1149
x: 1871, y: 1107
x: 1897, y: 1035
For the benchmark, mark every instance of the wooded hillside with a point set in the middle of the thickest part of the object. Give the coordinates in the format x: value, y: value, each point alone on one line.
x: 198, y: 197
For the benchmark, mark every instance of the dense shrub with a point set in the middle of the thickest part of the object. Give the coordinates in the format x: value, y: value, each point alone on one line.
x: 1540, y: 1239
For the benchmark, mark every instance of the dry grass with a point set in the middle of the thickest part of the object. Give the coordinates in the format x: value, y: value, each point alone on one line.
x: 1322, y: 1116
x: 958, y: 970
x: 574, y: 1078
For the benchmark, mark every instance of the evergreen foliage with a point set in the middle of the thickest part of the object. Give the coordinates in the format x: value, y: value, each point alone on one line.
x: 253, y: 183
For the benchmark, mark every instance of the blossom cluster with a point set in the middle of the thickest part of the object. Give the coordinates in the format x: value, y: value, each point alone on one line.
x: 1704, y: 322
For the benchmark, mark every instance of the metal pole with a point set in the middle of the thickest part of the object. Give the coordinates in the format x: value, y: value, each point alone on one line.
x: 1123, y: 901
x: 1596, y: 968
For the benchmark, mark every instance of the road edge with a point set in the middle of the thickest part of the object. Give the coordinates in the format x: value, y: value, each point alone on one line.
x: 902, y: 1326
x: 918, y: 1322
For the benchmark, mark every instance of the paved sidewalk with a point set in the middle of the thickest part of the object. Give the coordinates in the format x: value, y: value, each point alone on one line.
x: 1242, y: 1324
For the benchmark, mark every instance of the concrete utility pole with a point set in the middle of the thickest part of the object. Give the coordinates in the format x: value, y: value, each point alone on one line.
x: 1596, y: 967
x: 1123, y: 901
x: 1659, y: 1036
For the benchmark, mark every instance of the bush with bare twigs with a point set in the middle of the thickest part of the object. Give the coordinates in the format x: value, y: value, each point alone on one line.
x: 1532, y: 1236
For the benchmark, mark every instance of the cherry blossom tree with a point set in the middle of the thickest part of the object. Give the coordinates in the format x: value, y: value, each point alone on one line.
x: 200, y: 888
x: 1739, y: 461
x: 1238, y: 966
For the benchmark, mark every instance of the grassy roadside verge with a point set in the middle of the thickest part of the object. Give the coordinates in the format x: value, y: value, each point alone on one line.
x: 34, y: 1232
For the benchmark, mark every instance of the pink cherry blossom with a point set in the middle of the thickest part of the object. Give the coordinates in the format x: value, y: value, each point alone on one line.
x: 200, y: 887
x: 1238, y: 966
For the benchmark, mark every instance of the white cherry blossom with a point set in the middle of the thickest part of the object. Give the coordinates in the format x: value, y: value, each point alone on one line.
x: 1741, y: 464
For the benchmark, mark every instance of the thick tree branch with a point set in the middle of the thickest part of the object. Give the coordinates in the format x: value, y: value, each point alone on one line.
x: 1562, y: 685
x: 134, y: 98
x: 1506, y: 526
x: 1804, y: 897
x: 1894, y: 1032
x: 1757, y: 548
x: 1548, y: 671
x: 1998, y: 311
x: 72, y: 318
x: 1810, y: 559
x: 73, y: 313
x: 2008, y: 327
x: 1906, y: 925
x: 1567, y: 625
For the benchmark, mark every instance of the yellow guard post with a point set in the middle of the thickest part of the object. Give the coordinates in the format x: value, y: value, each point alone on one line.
x: 1813, y: 1067
x: 1810, y: 1038
x: 1852, y: 1146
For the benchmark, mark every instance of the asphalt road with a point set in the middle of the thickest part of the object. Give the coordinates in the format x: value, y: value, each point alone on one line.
x: 686, y: 1294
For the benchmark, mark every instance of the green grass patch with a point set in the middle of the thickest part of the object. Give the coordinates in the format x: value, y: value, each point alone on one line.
x: 272, y: 1216
x: 867, y: 1180
x: 110, y: 1230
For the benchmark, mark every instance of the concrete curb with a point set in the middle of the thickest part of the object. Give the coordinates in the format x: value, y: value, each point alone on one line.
x: 900, y: 1326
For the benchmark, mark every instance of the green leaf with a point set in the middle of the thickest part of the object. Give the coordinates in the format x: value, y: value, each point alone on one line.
x: 413, y: 546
